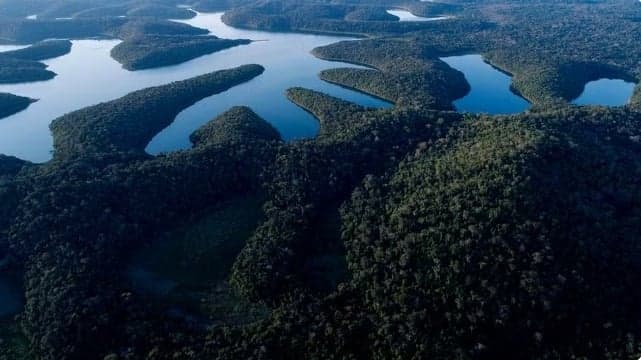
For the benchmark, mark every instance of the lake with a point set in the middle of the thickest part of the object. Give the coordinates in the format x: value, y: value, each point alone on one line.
x: 490, y: 88
x: 88, y: 75
x: 606, y: 92
x: 404, y: 15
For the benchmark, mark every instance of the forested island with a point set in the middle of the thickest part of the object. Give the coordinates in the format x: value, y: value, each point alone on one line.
x: 149, y: 51
x: 128, y: 124
x: 149, y: 40
x: 415, y: 232
x: 16, y: 71
x: 24, y: 65
x: 11, y: 104
x: 42, y: 50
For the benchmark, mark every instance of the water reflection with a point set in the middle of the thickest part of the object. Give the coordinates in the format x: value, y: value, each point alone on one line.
x: 88, y: 75
x: 490, y: 88
x: 606, y: 92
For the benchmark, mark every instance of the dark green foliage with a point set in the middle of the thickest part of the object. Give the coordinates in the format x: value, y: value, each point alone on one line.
x: 129, y: 123
x: 30, y: 31
x: 408, y: 73
x: 552, y: 59
x: 550, y: 84
x: 432, y: 8
x: 510, y: 219
x: 10, y: 165
x: 200, y: 252
x: 369, y: 14
x: 144, y: 52
x: 65, y: 310
x: 11, y: 104
x: 17, y: 71
x: 52, y: 9
x: 478, y: 238
x: 235, y: 125
x: 148, y: 43
x: 331, y: 112
x: 447, y: 254
x: 14, y: 346
x: 9, y: 169
x: 334, y: 328
x: 23, y: 65
x: 160, y: 11
x: 310, y: 178
x: 288, y: 15
x: 635, y: 101
x: 191, y: 262
x: 41, y: 51
x: 217, y: 5
x: 140, y: 27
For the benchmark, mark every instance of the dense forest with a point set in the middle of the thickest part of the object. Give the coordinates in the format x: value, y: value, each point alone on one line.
x: 403, y: 73
x: 14, y: 71
x: 11, y: 104
x: 41, y: 51
x: 149, y: 51
x: 415, y: 232
x: 550, y: 59
x: 24, y: 65
x: 128, y: 124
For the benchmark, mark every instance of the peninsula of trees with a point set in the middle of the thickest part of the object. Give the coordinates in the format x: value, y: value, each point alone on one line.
x: 150, y: 51
x: 415, y: 232
x: 11, y: 104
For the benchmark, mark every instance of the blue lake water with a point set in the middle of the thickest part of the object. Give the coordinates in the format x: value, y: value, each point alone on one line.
x: 606, y: 92
x: 490, y: 88
x: 288, y: 63
x: 88, y: 75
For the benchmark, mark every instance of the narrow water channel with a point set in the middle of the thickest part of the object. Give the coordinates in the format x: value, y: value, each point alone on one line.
x: 490, y: 88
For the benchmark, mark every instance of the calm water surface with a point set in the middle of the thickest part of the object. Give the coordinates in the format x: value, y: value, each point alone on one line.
x: 288, y: 63
x: 490, y: 88
x: 88, y: 75
x: 606, y: 92
x: 404, y: 15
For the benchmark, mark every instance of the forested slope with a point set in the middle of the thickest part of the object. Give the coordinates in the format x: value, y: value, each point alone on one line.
x: 128, y: 124
x: 414, y: 232
x: 11, y: 104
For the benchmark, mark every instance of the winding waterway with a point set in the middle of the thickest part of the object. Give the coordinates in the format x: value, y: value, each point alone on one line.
x: 88, y: 75
x: 490, y: 88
